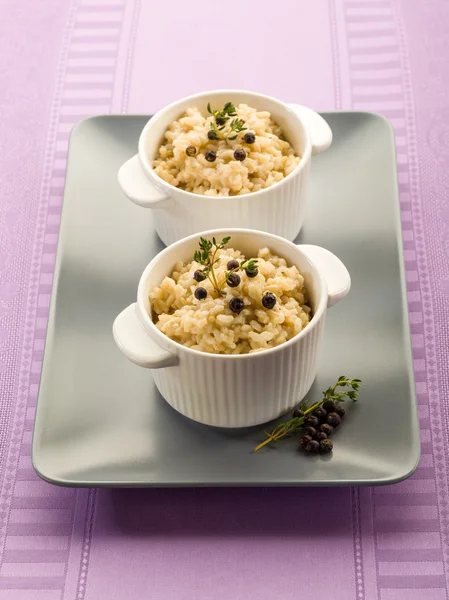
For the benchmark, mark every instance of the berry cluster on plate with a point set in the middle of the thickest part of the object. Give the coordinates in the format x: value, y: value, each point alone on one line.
x: 317, y: 422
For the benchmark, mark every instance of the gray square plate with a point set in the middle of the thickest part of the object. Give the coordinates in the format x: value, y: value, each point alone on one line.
x: 100, y: 420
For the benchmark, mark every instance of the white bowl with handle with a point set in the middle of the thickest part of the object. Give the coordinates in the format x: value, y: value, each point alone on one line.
x: 233, y: 390
x: 278, y: 209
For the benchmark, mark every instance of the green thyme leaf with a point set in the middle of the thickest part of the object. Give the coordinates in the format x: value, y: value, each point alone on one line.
x: 206, y: 256
x: 221, y: 120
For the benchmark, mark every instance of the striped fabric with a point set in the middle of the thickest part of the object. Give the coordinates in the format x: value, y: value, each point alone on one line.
x: 37, y: 534
x: 56, y: 543
x: 408, y: 546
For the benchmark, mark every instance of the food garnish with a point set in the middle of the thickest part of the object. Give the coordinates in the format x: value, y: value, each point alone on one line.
x: 251, y: 272
x: 240, y: 154
x: 199, y: 275
x: 233, y: 265
x: 207, y: 256
x: 249, y: 137
x: 269, y: 300
x: 223, y: 128
x: 317, y: 420
x: 220, y: 127
x: 210, y: 156
x: 200, y: 293
x: 233, y: 280
x: 236, y: 305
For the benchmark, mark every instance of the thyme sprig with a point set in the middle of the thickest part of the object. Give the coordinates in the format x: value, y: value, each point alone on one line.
x: 220, y: 128
x: 295, y: 424
x: 207, y: 256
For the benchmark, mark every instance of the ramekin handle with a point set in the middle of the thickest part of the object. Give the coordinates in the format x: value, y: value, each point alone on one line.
x: 334, y: 271
x: 319, y: 130
x: 136, y: 344
x: 136, y: 186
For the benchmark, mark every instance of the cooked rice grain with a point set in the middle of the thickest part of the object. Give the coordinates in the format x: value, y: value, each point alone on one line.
x: 268, y: 161
x: 210, y: 326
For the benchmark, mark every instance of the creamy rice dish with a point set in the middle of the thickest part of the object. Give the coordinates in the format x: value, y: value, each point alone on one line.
x: 228, y: 152
x: 224, y: 303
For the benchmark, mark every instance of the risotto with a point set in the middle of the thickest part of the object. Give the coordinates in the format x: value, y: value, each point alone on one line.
x: 233, y: 151
x: 240, y: 306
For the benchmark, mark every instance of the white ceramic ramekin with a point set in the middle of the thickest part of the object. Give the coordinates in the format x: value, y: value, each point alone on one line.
x: 278, y: 209
x: 233, y: 390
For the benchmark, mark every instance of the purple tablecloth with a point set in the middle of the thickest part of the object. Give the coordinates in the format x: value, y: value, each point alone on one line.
x: 63, y: 59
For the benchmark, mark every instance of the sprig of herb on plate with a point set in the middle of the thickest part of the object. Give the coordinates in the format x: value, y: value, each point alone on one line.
x: 331, y: 397
x: 220, y: 128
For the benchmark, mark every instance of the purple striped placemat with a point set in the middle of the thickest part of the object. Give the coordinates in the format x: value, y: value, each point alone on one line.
x: 36, y: 542
x: 87, y: 57
x: 407, y: 545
